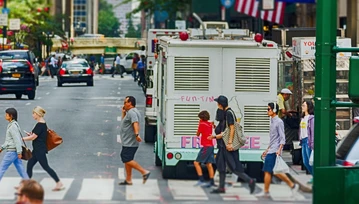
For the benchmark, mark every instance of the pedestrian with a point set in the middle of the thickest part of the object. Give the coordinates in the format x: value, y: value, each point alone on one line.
x: 130, y: 137
x: 118, y: 68
x: 53, y: 65
x: 12, y: 145
x: 59, y: 62
x: 206, y: 153
x: 306, y: 133
x: 282, y: 97
x: 102, y: 63
x: 276, y: 143
x: 226, y: 152
x: 141, y: 70
x: 135, y: 60
x: 38, y: 137
x: 92, y: 61
x: 30, y: 192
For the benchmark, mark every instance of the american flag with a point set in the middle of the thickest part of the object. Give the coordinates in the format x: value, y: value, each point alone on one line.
x: 251, y: 8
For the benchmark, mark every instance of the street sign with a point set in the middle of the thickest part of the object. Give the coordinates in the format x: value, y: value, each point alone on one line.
x: 14, y: 24
x: 181, y: 25
x: 3, y: 19
x: 267, y: 4
x: 227, y: 3
x: 5, y: 11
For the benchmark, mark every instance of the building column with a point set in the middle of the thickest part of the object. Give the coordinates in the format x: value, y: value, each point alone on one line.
x: 352, y: 21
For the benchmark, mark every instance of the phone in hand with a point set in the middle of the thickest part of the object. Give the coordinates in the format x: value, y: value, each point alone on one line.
x: 26, y: 132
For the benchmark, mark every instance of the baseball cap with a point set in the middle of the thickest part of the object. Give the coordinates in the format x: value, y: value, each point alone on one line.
x: 286, y: 91
x: 221, y: 100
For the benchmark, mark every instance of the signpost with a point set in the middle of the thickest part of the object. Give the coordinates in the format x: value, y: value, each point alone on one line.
x: 14, y: 24
x: 3, y: 19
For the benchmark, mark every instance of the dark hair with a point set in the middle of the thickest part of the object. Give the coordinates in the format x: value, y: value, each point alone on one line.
x: 310, y: 107
x: 12, y: 112
x: 271, y: 105
x: 204, y: 115
x: 132, y: 100
x: 32, y: 189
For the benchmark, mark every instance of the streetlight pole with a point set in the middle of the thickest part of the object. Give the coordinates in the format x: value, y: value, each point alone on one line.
x: 4, y: 29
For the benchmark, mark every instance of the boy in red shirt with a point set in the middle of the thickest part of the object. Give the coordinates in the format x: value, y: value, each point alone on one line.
x: 206, y: 154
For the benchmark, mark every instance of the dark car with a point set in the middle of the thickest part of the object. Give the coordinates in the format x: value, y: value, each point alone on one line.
x: 75, y: 71
x: 22, y: 54
x: 17, y: 77
x: 347, y: 152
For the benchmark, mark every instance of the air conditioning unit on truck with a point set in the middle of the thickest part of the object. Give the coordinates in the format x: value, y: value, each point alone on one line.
x: 191, y: 74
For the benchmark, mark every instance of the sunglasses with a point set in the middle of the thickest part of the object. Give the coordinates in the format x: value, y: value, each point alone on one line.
x: 269, y: 109
x: 17, y: 194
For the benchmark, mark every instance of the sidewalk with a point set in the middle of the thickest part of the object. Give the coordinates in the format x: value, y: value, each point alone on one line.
x: 298, y: 175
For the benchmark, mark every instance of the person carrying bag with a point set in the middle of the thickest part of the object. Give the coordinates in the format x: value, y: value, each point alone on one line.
x: 12, y: 146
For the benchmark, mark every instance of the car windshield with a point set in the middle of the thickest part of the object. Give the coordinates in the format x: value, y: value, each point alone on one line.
x: 349, y: 144
x: 75, y: 64
x: 13, y: 55
x: 353, y: 155
x: 8, y: 65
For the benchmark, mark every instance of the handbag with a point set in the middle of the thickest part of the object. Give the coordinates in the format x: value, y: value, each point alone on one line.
x: 53, y: 140
x: 26, y: 153
x: 239, y: 140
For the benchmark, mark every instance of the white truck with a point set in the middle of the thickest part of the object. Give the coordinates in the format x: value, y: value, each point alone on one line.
x: 151, y: 74
x: 191, y: 74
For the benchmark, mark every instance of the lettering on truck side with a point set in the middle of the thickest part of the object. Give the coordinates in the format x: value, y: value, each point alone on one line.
x: 253, y: 142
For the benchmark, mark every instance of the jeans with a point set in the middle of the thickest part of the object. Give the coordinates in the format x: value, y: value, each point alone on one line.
x: 306, y: 151
x: 134, y: 74
x: 9, y: 158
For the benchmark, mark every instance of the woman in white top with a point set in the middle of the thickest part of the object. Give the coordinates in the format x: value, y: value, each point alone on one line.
x: 306, y: 133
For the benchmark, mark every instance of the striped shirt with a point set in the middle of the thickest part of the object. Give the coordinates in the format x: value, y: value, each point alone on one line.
x: 276, y: 134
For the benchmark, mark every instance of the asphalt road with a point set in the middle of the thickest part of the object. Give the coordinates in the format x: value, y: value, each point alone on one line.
x: 88, y: 162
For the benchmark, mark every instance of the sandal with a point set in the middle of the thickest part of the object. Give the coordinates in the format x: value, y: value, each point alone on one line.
x: 125, y: 183
x: 59, y: 189
x: 145, y: 177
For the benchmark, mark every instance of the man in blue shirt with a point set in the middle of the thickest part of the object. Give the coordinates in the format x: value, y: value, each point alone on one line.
x: 102, y: 63
x: 141, y: 70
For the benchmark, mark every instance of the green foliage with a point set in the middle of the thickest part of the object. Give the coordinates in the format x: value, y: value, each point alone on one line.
x: 132, y: 32
x: 108, y: 24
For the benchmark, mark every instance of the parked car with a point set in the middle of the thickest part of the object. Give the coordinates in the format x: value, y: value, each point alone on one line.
x: 126, y: 60
x: 75, y: 71
x: 347, y: 152
x: 17, y: 76
x: 22, y: 54
x: 109, y: 65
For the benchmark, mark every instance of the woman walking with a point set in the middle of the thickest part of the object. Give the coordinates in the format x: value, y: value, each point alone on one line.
x: 12, y: 145
x: 38, y: 137
x: 306, y: 133
x: 226, y: 156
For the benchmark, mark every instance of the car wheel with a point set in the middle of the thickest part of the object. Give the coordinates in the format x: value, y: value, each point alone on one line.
x: 90, y: 83
x: 18, y: 95
x: 31, y: 95
x: 59, y: 83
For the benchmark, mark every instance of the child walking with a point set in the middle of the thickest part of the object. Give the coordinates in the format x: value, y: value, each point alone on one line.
x: 206, y: 153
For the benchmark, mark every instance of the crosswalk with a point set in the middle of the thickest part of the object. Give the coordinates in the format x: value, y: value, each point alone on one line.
x: 101, y: 190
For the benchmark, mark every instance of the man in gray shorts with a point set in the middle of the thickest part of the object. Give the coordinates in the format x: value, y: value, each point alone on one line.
x: 130, y: 138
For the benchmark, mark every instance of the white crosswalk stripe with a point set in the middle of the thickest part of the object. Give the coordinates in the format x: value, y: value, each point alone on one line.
x: 101, y: 190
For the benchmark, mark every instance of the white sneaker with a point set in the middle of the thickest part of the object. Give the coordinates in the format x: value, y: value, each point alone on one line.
x: 263, y: 194
x: 295, y: 190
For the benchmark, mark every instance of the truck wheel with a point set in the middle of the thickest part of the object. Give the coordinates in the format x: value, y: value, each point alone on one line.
x: 18, y: 95
x: 168, y: 172
x: 150, y: 133
x: 31, y: 95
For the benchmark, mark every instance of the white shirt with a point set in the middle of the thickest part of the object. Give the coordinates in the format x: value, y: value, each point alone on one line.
x: 118, y: 60
x: 304, y: 127
x: 53, y: 62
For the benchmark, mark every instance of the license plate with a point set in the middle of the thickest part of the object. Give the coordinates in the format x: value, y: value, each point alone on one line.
x: 16, y: 75
x: 75, y: 73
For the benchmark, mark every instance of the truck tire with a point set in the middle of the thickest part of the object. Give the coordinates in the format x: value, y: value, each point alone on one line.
x: 168, y: 172
x: 150, y: 133
x: 31, y: 95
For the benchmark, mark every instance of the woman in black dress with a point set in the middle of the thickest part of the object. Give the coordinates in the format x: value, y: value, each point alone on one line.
x: 226, y: 157
x: 38, y: 137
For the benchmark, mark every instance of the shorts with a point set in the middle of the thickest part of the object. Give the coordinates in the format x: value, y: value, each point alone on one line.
x: 269, y: 162
x: 128, y: 154
x: 206, y: 155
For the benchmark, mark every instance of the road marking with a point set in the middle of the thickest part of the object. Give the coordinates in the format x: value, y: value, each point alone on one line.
x: 119, y: 88
x: 48, y: 184
x: 281, y: 192
x: 7, y: 187
x: 118, y: 93
x: 238, y: 193
x: 55, y: 87
x: 119, y: 118
x: 185, y: 190
x: 39, y: 171
x: 27, y: 104
x: 139, y: 191
x: 119, y: 139
x: 39, y: 98
x: 121, y: 174
x: 103, y: 189
x: 47, y: 93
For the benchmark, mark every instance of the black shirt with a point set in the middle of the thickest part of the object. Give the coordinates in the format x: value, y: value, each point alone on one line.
x: 230, y: 116
x: 39, y: 144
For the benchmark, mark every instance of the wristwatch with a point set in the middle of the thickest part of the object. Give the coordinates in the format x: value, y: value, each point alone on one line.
x: 137, y: 135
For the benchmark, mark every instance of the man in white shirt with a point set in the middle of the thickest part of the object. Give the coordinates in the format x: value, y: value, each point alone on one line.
x: 53, y: 65
x: 117, y: 67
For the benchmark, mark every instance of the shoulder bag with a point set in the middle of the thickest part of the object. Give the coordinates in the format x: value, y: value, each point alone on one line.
x: 53, y: 139
x: 26, y: 153
x: 239, y: 140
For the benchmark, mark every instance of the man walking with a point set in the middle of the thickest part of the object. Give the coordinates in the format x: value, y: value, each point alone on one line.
x: 53, y: 65
x: 102, y: 64
x: 117, y: 67
x: 276, y: 142
x: 130, y: 137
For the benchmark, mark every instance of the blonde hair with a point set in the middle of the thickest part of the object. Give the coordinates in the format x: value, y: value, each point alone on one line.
x: 39, y: 111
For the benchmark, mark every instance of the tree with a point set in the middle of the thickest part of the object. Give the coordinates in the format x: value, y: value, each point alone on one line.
x: 132, y: 32
x: 108, y: 24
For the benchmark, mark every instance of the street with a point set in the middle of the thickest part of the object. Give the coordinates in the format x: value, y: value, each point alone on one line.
x: 88, y: 162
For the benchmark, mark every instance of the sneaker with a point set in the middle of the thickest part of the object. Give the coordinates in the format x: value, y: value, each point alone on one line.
x: 263, y: 194
x: 252, y: 185
x: 208, y: 185
x: 295, y: 190
x: 200, y: 183
x: 310, y: 181
x: 218, y: 191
